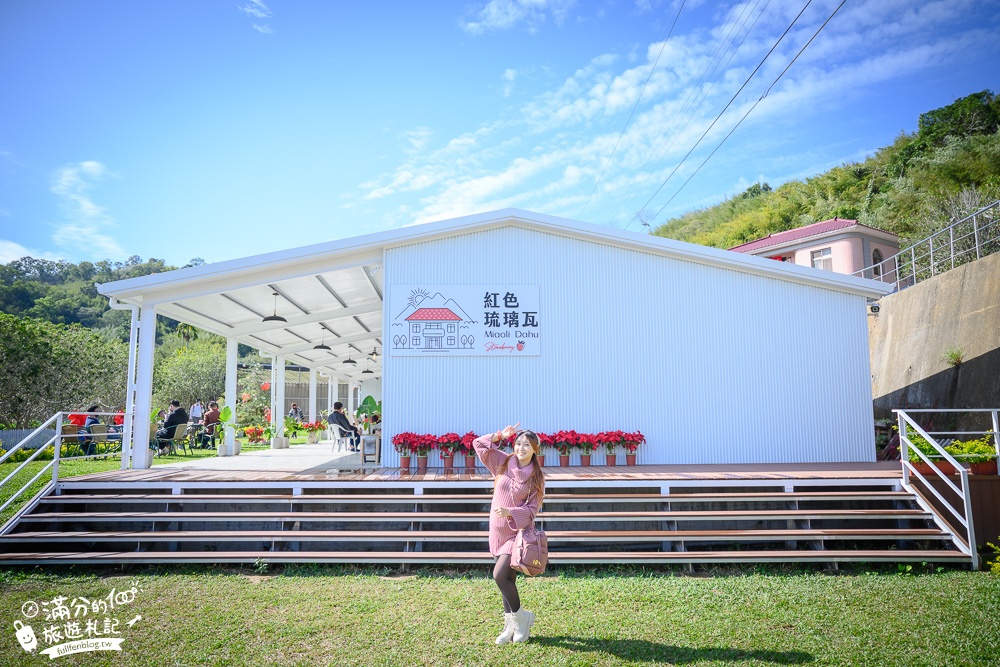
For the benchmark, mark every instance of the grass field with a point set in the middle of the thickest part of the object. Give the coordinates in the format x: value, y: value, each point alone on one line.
x: 316, y: 615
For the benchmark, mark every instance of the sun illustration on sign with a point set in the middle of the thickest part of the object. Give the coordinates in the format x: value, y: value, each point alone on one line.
x: 417, y: 295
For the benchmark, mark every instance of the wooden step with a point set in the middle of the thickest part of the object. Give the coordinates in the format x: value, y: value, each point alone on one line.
x: 484, y: 558
x: 701, y: 515
x: 471, y: 498
x: 554, y: 536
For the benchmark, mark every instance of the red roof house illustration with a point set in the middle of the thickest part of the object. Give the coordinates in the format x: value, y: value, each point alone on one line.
x: 433, y: 315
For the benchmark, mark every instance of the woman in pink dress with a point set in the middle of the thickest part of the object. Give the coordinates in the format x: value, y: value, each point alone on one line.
x: 518, y: 489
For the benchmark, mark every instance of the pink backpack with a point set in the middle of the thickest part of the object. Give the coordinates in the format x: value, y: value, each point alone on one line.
x: 530, y: 554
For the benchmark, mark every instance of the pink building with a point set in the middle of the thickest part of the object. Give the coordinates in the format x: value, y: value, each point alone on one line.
x: 838, y: 245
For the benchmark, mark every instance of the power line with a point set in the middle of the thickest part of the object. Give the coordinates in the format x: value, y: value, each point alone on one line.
x: 634, y: 107
x: 753, y: 106
x: 724, y: 109
x: 687, y: 113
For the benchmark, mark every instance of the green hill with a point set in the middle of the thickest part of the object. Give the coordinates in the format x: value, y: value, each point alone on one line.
x: 945, y: 170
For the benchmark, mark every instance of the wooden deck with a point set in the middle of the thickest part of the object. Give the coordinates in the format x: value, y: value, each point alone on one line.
x: 886, y: 472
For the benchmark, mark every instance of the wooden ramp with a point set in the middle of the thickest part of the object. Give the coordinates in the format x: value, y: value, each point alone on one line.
x: 642, y: 515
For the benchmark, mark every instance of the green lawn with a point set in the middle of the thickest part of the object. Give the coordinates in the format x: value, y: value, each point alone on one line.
x: 338, y: 616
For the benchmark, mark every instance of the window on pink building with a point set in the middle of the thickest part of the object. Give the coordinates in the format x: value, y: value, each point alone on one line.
x: 877, y: 263
x: 822, y: 259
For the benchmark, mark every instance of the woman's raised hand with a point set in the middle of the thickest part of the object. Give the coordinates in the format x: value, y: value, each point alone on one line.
x: 509, y: 431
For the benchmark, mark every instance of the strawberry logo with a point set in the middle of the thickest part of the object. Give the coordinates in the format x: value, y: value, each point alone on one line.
x: 520, y: 345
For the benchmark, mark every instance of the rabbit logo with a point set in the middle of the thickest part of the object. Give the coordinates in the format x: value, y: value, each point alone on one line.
x: 26, y: 636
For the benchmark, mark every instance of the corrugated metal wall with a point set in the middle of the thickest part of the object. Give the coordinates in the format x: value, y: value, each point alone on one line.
x: 713, y: 365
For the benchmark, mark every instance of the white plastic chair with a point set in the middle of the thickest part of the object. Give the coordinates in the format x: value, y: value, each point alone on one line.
x: 341, y: 439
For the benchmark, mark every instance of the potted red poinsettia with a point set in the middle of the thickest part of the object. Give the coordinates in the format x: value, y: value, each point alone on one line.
x: 586, y: 443
x: 401, y: 442
x: 468, y: 451
x: 631, y: 442
x: 421, y: 446
x: 449, y: 443
x: 564, y: 442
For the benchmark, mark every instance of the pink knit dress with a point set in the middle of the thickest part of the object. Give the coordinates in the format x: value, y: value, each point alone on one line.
x: 514, y: 490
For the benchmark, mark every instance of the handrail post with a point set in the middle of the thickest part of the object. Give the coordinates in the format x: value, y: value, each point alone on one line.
x: 966, y: 491
x: 996, y: 432
x: 904, y: 452
x: 58, y: 448
x: 975, y: 232
x: 951, y: 244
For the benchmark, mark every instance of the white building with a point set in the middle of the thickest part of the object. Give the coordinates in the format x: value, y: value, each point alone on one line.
x: 715, y: 356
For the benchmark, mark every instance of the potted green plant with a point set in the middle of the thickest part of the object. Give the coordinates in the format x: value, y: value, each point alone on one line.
x: 918, y: 442
x: 980, y: 454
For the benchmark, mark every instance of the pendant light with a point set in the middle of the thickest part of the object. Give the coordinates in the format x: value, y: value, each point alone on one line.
x: 274, y: 316
x: 322, y: 345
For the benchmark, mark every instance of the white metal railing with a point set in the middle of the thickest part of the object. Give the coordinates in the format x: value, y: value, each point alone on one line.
x: 966, y: 543
x: 961, y: 242
x: 56, y: 441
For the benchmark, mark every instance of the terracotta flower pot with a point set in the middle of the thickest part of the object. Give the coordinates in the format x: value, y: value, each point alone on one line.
x: 630, y: 459
x: 984, y: 468
x: 612, y: 459
x: 448, y: 462
x: 404, y: 462
x: 470, y: 462
x: 564, y: 460
x: 541, y: 461
x: 925, y: 469
x: 585, y: 459
x: 421, y: 464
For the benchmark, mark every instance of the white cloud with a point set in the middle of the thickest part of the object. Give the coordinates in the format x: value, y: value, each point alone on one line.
x: 549, y: 155
x: 508, y: 76
x: 84, y: 224
x: 256, y: 9
x: 504, y: 14
x: 10, y: 251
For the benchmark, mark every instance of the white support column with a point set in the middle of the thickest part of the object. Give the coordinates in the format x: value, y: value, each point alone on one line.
x: 352, y: 401
x: 232, y: 400
x: 332, y: 386
x: 278, y: 391
x: 313, y: 415
x: 143, y: 387
x: 130, y: 390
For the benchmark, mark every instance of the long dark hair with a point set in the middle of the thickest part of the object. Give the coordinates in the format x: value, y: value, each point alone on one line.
x: 537, y: 475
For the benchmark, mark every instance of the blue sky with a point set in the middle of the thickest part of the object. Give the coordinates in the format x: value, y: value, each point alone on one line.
x: 224, y: 129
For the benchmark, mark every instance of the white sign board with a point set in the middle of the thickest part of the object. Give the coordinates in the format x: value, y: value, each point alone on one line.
x: 464, y: 320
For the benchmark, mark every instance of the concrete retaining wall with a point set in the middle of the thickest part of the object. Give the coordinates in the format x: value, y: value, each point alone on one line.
x: 914, y: 329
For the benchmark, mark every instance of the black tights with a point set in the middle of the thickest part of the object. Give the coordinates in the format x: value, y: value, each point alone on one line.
x: 506, y: 578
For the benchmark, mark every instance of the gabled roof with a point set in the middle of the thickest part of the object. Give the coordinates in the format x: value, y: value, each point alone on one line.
x: 801, y: 233
x: 434, y: 315
x: 331, y: 293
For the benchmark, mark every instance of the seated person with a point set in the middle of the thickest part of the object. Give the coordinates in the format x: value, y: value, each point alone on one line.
x: 89, y: 420
x: 338, y: 418
x: 211, y: 419
x: 177, y: 417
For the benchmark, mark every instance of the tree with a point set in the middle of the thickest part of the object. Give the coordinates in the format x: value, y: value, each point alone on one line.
x: 195, y: 371
x: 49, y: 367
